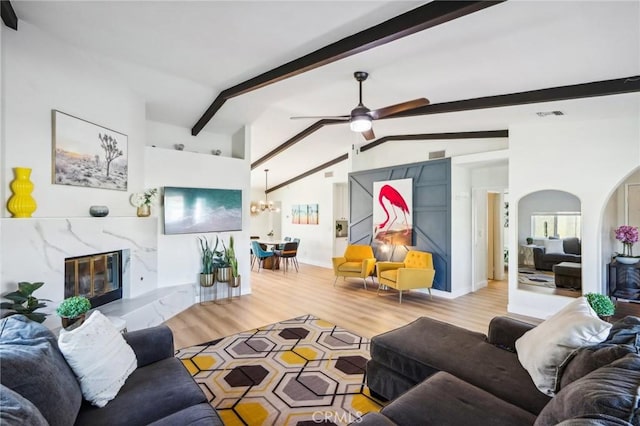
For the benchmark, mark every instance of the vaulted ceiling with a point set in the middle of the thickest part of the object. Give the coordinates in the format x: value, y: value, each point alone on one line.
x: 180, y: 55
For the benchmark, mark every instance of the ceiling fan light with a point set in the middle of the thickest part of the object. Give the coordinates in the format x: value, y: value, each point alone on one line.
x: 360, y: 123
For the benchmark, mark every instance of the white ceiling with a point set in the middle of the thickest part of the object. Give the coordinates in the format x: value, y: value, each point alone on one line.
x: 180, y: 54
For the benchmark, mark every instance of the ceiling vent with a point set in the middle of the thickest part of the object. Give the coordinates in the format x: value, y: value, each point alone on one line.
x: 548, y: 113
x: 436, y: 154
x: 328, y: 174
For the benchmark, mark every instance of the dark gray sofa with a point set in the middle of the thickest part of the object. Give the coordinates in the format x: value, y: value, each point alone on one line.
x: 572, y: 253
x: 39, y: 387
x: 438, y: 374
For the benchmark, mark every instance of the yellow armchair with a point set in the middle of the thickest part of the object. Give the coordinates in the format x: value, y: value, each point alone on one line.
x: 358, y: 261
x: 415, y: 272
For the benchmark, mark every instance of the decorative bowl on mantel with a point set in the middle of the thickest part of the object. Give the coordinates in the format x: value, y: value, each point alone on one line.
x: 98, y: 211
x: 625, y: 260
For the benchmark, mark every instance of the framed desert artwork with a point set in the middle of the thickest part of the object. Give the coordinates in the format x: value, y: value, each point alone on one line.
x: 86, y: 154
x: 393, y: 212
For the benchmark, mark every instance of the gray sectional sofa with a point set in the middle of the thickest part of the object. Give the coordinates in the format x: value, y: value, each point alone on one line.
x: 438, y: 374
x: 544, y: 261
x: 39, y: 387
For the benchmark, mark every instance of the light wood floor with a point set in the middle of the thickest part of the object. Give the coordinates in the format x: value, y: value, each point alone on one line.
x: 277, y: 296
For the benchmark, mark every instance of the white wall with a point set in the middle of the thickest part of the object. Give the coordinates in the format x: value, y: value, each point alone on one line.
x: 179, y: 255
x: 316, y: 241
x: 41, y: 74
x: 460, y: 232
x: 163, y: 135
x: 589, y: 159
x: 404, y: 152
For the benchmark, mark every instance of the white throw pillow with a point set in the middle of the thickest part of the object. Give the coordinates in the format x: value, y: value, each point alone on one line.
x: 553, y: 246
x: 542, y: 349
x: 99, y: 356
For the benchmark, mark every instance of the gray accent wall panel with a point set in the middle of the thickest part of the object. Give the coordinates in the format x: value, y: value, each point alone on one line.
x: 431, y: 212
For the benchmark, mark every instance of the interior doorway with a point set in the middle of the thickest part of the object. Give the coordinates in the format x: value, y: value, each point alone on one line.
x: 490, y: 231
x: 490, y: 225
x: 496, y: 251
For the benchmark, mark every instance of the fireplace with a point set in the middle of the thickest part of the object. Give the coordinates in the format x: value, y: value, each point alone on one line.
x: 98, y: 277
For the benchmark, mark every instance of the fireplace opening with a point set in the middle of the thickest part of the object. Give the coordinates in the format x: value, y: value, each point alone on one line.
x: 98, y: 277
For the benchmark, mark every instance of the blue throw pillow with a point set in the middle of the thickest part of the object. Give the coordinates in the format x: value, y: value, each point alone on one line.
x: 18, y: 411
x: 33, y: 366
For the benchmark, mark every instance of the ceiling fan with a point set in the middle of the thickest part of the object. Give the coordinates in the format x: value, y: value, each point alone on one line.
x: 361, y: 117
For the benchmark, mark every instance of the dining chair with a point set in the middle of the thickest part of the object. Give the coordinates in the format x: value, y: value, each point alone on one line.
x: 286, y: 239
x: 288, y: 253
x: 260, y: 254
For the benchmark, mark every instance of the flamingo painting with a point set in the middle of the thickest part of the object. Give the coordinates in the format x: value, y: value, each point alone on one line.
x: 392, y: 199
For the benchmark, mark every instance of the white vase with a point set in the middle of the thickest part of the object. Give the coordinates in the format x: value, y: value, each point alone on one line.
x: 627, y: 260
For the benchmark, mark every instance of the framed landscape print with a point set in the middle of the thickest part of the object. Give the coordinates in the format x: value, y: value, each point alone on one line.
x: 197, y: 210
x: 295, y: 214
x: 304, y: 214
x: 86, y: 154
x: 312, y: 214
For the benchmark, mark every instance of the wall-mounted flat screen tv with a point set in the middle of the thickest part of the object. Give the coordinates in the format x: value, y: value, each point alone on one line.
x: 195, y: 210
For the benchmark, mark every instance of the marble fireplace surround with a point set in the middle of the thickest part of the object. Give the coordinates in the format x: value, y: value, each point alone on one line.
x: 34, y: 249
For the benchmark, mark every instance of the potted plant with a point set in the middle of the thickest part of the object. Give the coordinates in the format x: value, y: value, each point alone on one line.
x: 207, y: 251
x: 24, y: 303
x: 73, y: 311
x: 233, y: 264
x: 628, y: 236
x: 223, y: 264
x: 602, y: 304
x: 143, y: 201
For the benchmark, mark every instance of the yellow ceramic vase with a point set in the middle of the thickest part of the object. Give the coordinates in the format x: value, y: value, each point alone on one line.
x: 21, y: 203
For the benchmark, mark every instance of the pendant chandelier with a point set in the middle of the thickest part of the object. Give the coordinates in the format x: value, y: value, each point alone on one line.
x: 264, y: 205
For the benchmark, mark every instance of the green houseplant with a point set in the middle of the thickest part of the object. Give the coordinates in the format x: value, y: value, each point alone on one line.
x: 23, y: 302
x: 602, y: 304
x: 208, y: 254
x: 223, y: 262
x: 230, y: 254
x: 73, y: 310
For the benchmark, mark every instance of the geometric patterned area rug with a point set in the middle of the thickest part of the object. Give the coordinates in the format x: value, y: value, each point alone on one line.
x: 303, y: 371
x: 534, y: 277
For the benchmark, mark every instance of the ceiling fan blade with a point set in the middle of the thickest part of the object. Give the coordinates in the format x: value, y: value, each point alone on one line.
x: 321, y: 117
x: 394, y: 109
x: 368, y: 135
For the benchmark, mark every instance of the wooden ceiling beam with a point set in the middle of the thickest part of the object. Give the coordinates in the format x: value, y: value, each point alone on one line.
x: 9, y: 16
x: 295, y: 139
x: 577, y: 91
x: 309, y: 172
x: 483, y: 134
x: 416, y: 20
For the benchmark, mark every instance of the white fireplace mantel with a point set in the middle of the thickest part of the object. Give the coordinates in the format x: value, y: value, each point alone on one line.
x: 34, y: 249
